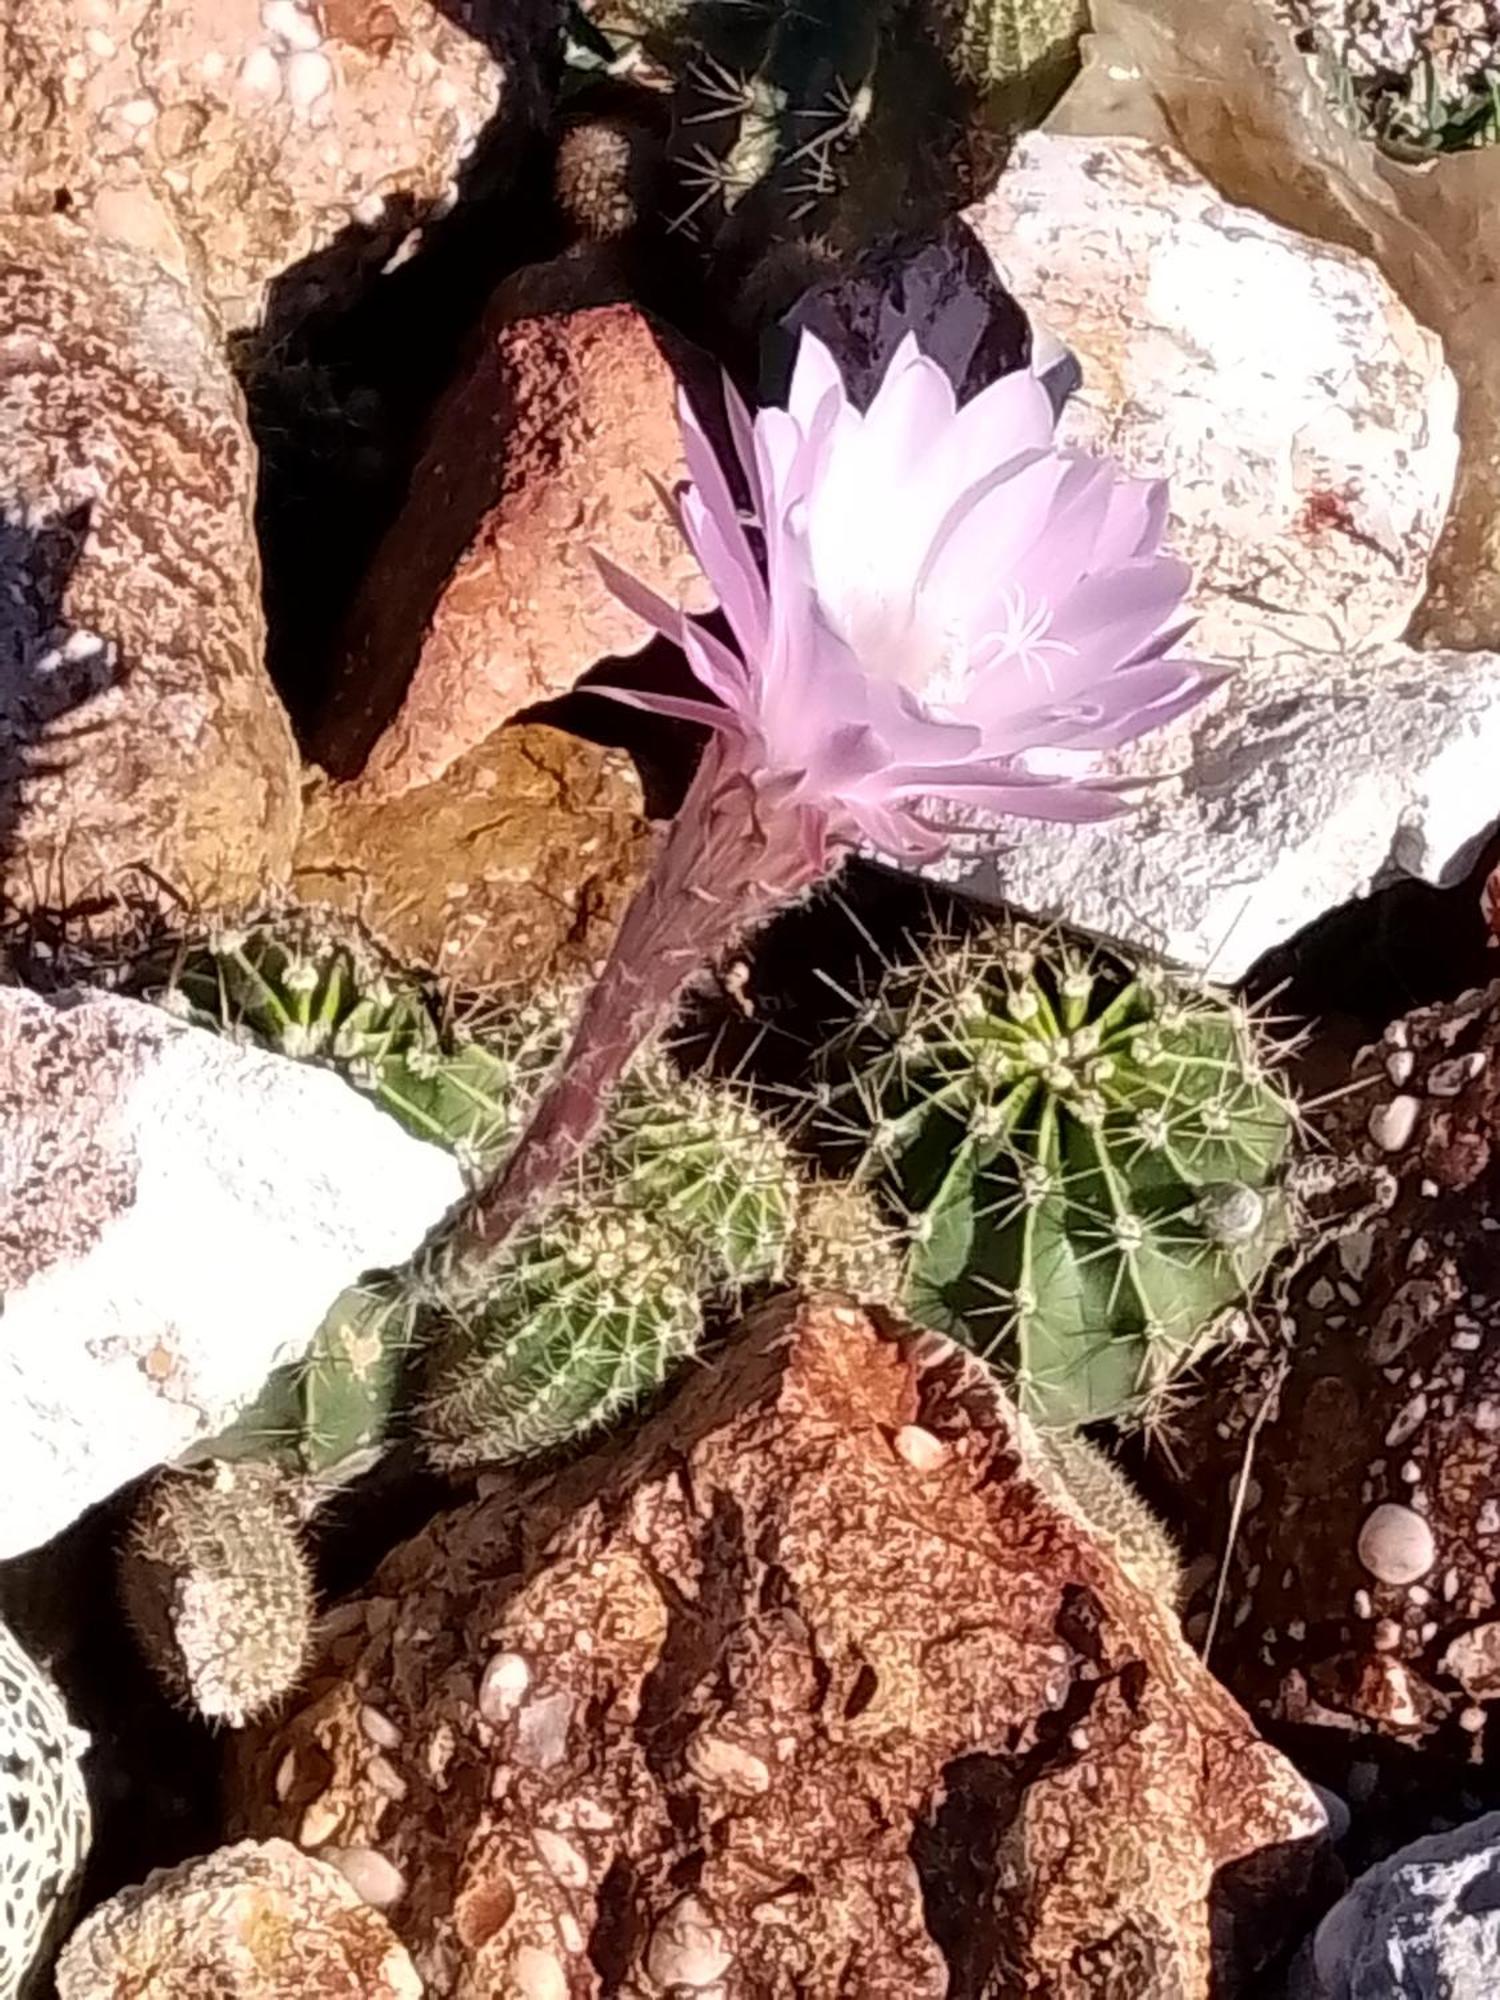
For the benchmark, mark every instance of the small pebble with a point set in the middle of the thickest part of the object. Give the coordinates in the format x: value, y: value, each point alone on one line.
x: 506, y: 1679
x: 1396, y: 1545
x: 373, y: 1879
x: 687, y: 1947
x: 538, y: 1975
x: 922, y: 1451
x: 1391, y: 1125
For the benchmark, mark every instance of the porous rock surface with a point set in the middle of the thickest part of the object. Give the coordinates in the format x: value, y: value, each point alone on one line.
x: 485, y: 597
x: 250, y: 1922
x: 141, y: 742
x: 807, y: 1687
x: 177, y: 1213
x: 1361, y: 1592
x: 514, y: 867
x: 1306, y: 424
x: 242, y: 137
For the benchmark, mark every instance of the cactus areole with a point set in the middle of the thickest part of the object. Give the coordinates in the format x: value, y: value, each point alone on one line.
x: 1088, y: 1158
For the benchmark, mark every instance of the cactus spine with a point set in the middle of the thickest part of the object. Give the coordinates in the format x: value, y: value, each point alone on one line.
x: 1088, y: 1157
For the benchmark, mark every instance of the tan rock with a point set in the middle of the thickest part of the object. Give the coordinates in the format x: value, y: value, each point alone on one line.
x: 983, y: 1760
x: 514, y: 866
x: 259, y: 133
x: 252, y: 1922
x: 140, y: 738
x: 484, y: 597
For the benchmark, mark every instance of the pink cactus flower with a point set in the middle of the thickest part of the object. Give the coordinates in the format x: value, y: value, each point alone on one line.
x: 927, y: 606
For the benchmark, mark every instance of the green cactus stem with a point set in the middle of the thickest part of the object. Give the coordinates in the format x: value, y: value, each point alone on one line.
x: 1088, y: 1157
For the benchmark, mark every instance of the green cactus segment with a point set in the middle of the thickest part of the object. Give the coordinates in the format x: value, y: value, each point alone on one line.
x: 698, y: 1160
x: 585, y: 1315
x: 995, y: 43
x: 310, y: 986
x: 321, y: 1414
x: 1089, y: 1161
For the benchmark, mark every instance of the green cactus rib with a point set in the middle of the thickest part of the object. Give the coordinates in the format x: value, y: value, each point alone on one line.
x: 698, y: 1159
x: 1088, y: 1160
x: 994, y: 43
x: 582, y: 1318
x: 309, y: 985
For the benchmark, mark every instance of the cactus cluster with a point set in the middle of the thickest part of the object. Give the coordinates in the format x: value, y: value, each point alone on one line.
x: 687, y: 1197
x: 309, y: 983
x: 1088, y: 1157
x: 217, y: 1586
x: 829, y: 123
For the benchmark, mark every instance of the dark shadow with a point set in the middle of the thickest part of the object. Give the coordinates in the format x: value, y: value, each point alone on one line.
x: 356, y: 343
x: 151, y: 1768
x: 49, y: 667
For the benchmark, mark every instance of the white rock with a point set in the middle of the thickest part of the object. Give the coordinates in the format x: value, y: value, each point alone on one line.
x: 177, y: 1213
x: 1315, y: 783
x: 1423, y: 1925
x: 1307, y: 426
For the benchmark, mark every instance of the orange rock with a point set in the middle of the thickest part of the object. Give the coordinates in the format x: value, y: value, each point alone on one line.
x: 484, y: 597
x: 514, y: 867
x: 260, y: 141
x: 787, y: 1711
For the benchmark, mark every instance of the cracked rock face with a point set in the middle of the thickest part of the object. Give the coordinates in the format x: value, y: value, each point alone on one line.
x: 252, y: 1922
x: 807, y: 1688
x: 241, y: 137
x: 1306, y: 424
x: 141, y: 742
x: 1362, y: 1590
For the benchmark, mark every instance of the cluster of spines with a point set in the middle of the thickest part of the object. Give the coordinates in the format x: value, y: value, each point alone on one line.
x: 1087, y: 1156
x: 688, y: 1196
x: 310, y: 984
x: 217, y: 1585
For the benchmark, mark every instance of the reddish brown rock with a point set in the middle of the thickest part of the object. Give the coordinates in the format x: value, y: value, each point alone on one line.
x: 255, y: 134
x: 513, y: 867
x: 484, y: 597
x: 247, y: 1923
x: 1362, y: 1585
x: 766, y: 1701
x: 141, y: 743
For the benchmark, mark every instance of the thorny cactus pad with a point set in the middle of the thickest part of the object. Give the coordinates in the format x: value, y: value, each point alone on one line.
x: 218, y: 1588
x: 697, y: 1158
x: 309, y: 984
x: 585, y: 1314
x: 44, y: 1814
x: 1088, y: 1156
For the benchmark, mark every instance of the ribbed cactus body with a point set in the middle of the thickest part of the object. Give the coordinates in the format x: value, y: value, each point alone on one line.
x: 585, y: 1314
x: 995, y: 43
x: 310, y: 985
x: 689, y: 1197
x: 1088, y: 1158
x: 218, y: 1587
